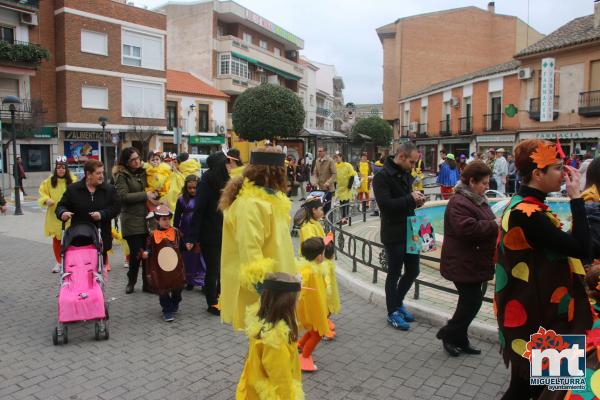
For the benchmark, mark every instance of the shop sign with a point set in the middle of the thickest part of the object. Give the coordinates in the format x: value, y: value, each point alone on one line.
x: 81, y: 150
x: 279, y: 31
x: 206, y: 139
x: 496, y: 138
x: 547, y: 90
x: 561, y: 135
x: 87, y: 135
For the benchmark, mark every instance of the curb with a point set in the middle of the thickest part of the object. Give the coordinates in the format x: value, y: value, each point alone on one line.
x: 435, y: 317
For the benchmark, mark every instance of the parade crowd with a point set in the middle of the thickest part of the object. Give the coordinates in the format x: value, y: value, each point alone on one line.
x: 227, y: 231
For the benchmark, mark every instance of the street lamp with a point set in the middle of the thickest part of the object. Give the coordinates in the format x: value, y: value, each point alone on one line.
x: 11, y: 101
x: 103, y: 120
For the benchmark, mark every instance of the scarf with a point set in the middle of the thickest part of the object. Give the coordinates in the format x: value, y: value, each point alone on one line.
x: 466, y: 191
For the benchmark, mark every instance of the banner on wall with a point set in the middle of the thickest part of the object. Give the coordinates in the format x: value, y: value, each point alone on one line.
x: 82, y: 150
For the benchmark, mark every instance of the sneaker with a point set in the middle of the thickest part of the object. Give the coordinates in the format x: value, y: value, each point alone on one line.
x: 168, y: 317
x: 56, y: 268
x: 126, y: 264
x: 397, y: 321
x: 408, y: 316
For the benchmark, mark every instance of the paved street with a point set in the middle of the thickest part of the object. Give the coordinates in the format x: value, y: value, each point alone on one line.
x: 196, y: 357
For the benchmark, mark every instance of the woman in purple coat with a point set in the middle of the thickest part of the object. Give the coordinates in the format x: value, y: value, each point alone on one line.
x: 195, y: 269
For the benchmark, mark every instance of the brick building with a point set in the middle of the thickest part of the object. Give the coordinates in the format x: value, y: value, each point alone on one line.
x: 232, y: 48
x: 458, y: 41
x: 464, y: 114
x: 107, y: 59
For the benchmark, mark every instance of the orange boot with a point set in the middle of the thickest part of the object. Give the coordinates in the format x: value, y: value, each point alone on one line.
x: 307, y: 364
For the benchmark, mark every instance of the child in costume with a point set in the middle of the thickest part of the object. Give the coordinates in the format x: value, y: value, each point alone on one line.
x: 192, y: 259
x: 365, y: 171
x: 333, y: 292
x: 116, y: 234
x: 312, y: 305
x: 164, y: 266
x: 182, y: 167
x: 272, y: 367
x: 308, y: 219
x: 157, y: 174
x: 51, y: 191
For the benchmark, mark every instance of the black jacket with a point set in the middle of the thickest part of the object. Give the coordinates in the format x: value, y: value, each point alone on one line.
x: 207, y: 220
x: 393, y: 187
x: 78, y: 200
x: 593, y: 214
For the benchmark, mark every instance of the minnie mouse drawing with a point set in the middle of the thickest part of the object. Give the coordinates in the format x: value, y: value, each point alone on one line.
x: 427, y: 237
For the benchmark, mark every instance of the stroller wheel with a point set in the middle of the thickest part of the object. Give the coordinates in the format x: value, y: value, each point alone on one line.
x: 60, y: 337
x: 55, y: 336
x: 106, y: 310
x: 65, y: 335
x: 97, y: 330
x: 106, y: 331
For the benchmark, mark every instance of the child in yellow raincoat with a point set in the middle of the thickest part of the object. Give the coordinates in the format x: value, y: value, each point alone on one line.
x: 417, y: 173
x: 312, y: 305
x: 365, y: 171
x: 183, y: 167
x: 51, y: 191
x: 256, y: 233
x: 272, y: 367
x: 344, y: 174
x: 310, y: 225
x: 157, y: 175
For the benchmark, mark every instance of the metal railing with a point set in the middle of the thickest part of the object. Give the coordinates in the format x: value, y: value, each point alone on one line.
x: 368, y: 253
x: 466, y: 125
x: 422, y: 132
x: 534, y: 108
x: 27, y: 3
x: 23, y: 110
x: 445, y: 128
x: 589, y: 103
x: 323, y: 112
x: 405, y: 131
x: 493, y: 122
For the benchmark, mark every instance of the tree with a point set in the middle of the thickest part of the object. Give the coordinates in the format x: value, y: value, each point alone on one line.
x: 139, y: 132
x: 377, y: 128
x: 267, y: 112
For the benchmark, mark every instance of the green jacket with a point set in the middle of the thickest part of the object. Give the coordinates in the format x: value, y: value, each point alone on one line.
x: 131, y: 189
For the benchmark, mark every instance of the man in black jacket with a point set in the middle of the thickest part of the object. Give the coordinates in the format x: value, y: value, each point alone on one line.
x: 91, y: 200
x: 396, y: 200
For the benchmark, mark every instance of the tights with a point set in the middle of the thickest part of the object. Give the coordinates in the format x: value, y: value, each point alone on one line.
x: 309, y: 341
x: 56, y: 249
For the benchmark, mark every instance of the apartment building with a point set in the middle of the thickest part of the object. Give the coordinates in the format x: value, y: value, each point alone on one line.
x: 570, y: 85
x: 469, y: 113
x: 232, y: 48
x: 458, y: 41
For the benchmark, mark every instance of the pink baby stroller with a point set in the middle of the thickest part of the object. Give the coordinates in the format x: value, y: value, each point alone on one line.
x: 81, y: 293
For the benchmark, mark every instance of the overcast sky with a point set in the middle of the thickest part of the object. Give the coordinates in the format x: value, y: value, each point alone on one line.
x: 342, y: 32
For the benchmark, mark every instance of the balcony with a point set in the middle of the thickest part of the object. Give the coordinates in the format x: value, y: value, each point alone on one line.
x: 422, y: 131
x: 27, y: 110
x: 466, y: 125
x: 26, y: 5
x: 25, y: 54
x: 589, y: 103
x: 323, y: 112
x: 493, y: 122
x: 258, y: 56
x: 234, y: 84
x: 445, y: 129
x: 534, y: 108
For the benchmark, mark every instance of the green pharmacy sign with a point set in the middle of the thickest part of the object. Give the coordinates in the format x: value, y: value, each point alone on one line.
x: 510, y: 110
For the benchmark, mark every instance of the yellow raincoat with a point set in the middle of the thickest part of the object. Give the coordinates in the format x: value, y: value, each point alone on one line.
x: 157, y: 177
x: 256, y: 241
x: 333, y: 292
x: 363, y: 169
x: 52, y: 225
x: 312, y: 304
x: 237, y: 171
x: 177, y: 179
x: 310, y: 229
x: 417, y: 173
x: 272, y: 368
x: 122, y: 242
x: 344, y: 171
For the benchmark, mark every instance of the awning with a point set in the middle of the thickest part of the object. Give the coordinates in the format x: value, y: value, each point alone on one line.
x: 268, y: 67
x: 323, y: 134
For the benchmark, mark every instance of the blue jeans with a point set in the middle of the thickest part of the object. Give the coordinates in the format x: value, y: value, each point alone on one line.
x: 169, y: 301
x: 398, y: 284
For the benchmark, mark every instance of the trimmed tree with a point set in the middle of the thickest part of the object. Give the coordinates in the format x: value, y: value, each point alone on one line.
x: 267, y: 112
x: 377, y: 128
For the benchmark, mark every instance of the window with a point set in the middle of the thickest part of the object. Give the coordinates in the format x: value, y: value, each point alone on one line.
x: 233, y: 65
x: 171, y: 115
x: 94, y: 97
x: 247, y: 38
x: 7, y: 34
x: 94, y: 42
x: 202, y: 117
x: 142, y: 99
x: 277, y: 51
x: 142, y: 50
x: 9, y: 87
x: 36, y: 157
x: 594, y: 75
x: 263, y: 44
x: 132, y: 55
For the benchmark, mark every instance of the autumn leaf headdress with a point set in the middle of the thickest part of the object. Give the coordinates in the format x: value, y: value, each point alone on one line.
x: 544, y: 155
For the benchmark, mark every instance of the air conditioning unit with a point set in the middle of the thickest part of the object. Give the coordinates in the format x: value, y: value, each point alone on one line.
x: 413, y: 127
x: 454, y: 102
x: 29, y: 19
x: 524, y: 73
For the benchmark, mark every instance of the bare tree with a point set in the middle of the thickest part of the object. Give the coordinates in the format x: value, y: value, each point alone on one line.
x: 141, y: 132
